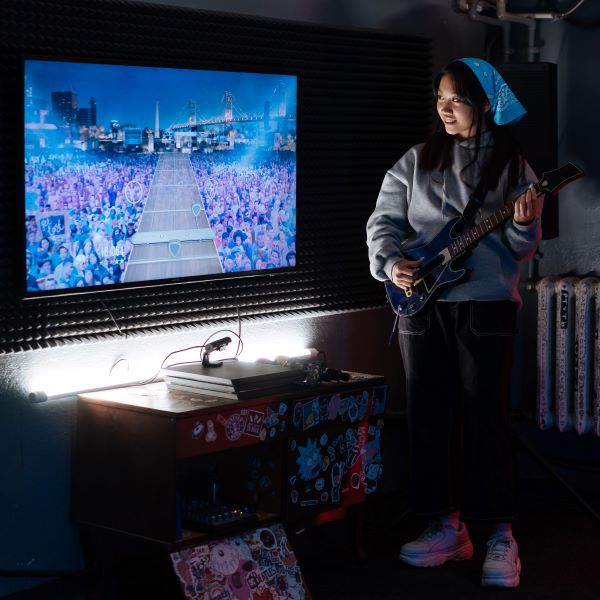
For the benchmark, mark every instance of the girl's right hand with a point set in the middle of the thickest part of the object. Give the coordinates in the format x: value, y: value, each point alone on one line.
x: 405, y: 272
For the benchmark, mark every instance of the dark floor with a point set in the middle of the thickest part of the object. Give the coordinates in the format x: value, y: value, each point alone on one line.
x: 559, y: 546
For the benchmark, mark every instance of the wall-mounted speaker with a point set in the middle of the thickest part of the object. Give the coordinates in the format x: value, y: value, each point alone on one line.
x: 534, y: 84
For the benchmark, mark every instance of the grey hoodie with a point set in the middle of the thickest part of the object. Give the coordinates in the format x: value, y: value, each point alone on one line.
x: 414, y: 205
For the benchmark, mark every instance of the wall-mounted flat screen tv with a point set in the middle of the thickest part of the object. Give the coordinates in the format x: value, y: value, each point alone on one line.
x: 146, y: 175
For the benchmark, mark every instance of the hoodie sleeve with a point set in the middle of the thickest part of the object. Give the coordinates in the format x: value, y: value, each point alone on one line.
x: 523, y: 240
x: 388, y: 226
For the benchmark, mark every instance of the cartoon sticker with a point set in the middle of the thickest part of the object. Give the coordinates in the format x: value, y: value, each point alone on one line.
x: 234, y: 427
x: 309, y: 460
x: 197, y: 430
x: 254, y: 423
x: 211, y: 434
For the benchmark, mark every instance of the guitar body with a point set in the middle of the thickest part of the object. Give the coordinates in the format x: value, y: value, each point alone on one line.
x: 436, y: 272
x: 449, y: 245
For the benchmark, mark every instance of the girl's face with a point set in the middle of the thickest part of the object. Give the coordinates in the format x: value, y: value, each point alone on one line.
x: 456, y: 115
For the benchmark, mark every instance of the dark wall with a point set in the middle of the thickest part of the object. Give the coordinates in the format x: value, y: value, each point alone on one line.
x: 363, y: 99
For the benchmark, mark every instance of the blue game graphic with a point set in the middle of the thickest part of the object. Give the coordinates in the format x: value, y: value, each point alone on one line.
x: 148, y: 174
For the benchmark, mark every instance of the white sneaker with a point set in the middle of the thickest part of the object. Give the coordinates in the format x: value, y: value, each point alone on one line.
x: 502, y: 566
x: 437, y: 544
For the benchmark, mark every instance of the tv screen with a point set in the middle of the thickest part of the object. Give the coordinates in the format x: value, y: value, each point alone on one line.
x: 138, y: 175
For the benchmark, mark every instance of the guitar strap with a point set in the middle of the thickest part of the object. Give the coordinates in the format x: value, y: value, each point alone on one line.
x: 474, y: 204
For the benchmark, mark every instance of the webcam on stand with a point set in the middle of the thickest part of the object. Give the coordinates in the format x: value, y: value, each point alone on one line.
x: 211, y: 347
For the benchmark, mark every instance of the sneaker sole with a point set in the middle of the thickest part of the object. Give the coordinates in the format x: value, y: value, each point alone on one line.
x: 435, y: 559
x: 502, y: 581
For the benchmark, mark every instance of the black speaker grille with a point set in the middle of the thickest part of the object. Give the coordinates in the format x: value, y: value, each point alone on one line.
x: 363, y: 100
x: 535, y: 86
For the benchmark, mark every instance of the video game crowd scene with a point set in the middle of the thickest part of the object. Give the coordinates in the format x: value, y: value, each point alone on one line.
x: 251, y: 210
x: 81, y: 217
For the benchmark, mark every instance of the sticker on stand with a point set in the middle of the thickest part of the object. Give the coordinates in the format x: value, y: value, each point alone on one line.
x: 211, y: 434
x: 337, y: 472
x: 363, y: 404
x: 353, y: 409
x: 272, y: 418
x: 258, y: 564
x: 323, y: 409
x: 264, y: 481
x: 267, y: 539
x: 373, y: 474
x: 308, y: 502
x: 334, y: 406
x: 297, y: 416
x: 310, y: 460
x: 370, y: 451
x: 254, y: 423
x: 232, y: 560
x: 343, y: 408
x: 197, y: 430
x: 234, y: 427
x: 310, y: 414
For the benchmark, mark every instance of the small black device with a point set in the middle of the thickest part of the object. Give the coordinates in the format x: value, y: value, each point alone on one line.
x: 211, y: 347
x: 212, y: 516
x: 208, y: 517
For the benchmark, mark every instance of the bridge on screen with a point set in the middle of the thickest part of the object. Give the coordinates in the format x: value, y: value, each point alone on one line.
x: 232, y: 114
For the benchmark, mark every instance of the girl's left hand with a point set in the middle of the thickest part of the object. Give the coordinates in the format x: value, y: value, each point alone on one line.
x: 526, y: 207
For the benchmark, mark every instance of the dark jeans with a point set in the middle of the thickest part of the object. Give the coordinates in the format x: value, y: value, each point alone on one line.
x: 458, y: 359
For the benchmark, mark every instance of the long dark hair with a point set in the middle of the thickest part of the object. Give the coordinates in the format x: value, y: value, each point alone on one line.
x: 436, y: 153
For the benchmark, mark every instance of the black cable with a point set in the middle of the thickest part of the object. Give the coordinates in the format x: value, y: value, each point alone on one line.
x: 574, y: 5
x: 112, y: 318
x: 239, y: 320
x: 206, y: 341
x: 238, y: 336
x: 178, y: 351
x: 575, y: 21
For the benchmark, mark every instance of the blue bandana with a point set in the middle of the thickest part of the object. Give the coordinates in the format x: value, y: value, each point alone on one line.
x: 504, y: 105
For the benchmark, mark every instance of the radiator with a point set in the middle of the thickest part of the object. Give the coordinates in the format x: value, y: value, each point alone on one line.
x: 568, y: 354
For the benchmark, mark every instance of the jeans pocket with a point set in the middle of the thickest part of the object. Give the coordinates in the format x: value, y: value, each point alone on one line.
x: 494, y: 317
x: 417, y: 325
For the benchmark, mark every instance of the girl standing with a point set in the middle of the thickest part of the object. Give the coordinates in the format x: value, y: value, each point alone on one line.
x: 458, y: 352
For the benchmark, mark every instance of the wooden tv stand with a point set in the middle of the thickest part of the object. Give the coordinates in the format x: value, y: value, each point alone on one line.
x: 139, y: 451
